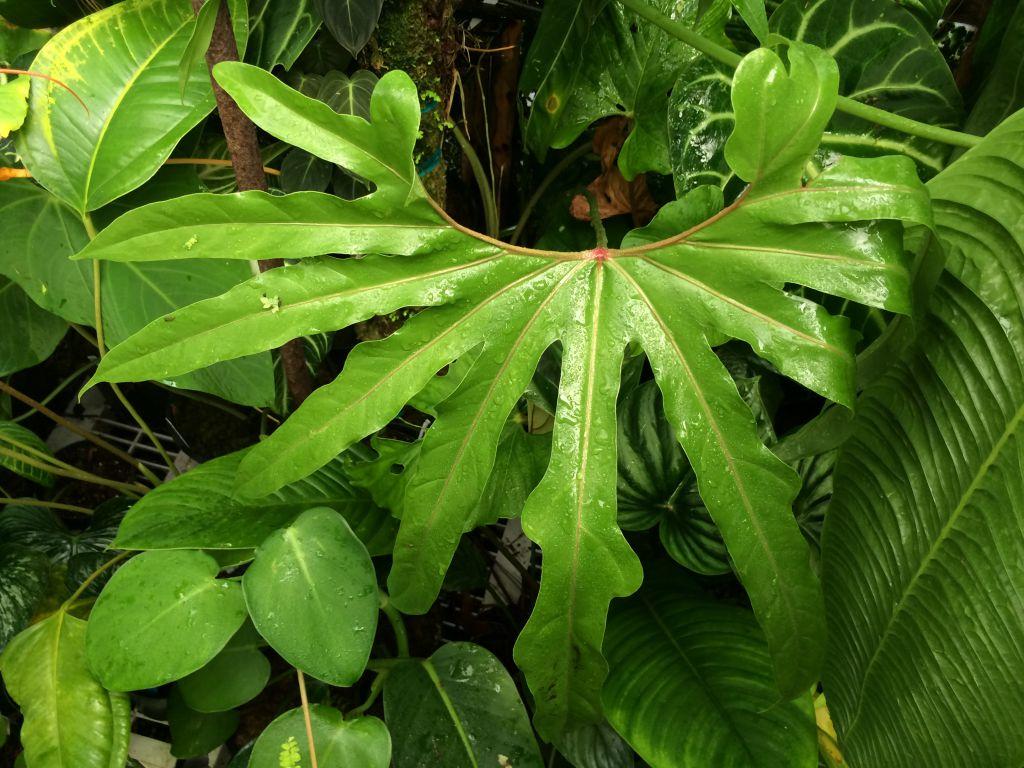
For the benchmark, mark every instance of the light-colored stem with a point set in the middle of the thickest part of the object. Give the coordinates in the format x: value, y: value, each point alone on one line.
x: 306, y: 717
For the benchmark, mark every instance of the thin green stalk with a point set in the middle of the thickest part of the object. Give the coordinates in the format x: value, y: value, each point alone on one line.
x: 72, y: 474
x: 60, y: 388
x: 97, y: 299
x: 558, y: 169
x: 46, y: 504
x: 83, y: 433
x: 397, y: 625
x: 306, y: 717
x: 486, y: 193
x: 375, y: 689
x: 93, y: 576
x: 850, y: 106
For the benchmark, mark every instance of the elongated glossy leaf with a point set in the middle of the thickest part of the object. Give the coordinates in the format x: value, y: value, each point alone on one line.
x: 162, y: 616
x: 699, y: 274
x: 36, y: 253
x: 21, y: 449
x: 312, y: 593
x: 922, y: 546
x: 279, y: 30
x: 350, y: 22
x: 591, y: 59
x: 361, y: 742
x: 30, y: 333
x: 457, y: 708
x: 199, y: 511
x: 123, y: 63
x: 198, y: 43
x: 26, y: 573
x: 596, y: 746
x: 691, y: 685
x: 70, y: 720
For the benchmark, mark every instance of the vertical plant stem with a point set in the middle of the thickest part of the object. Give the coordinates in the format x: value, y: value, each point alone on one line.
x: 305, y: 715
x: 397, y: 625
x: 97, y: 305
x: 595, y: 220
x: 94, y: 575
x: 486, y: 192
x: 240, y: 134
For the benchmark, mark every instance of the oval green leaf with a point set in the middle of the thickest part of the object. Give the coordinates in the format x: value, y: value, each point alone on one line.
x: 162, y: 616
x: 362, y: 742
x: 70, y: 720
x: 233, y: 677
x: 312, y: 593
x: 458, y: 708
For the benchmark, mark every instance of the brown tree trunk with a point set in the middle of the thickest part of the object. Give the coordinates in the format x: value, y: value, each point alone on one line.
x: 247, y: 162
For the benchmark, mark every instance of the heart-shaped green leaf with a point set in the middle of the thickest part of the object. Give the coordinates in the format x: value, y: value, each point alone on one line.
x: 279, y: 30
x: 122, y: 63
x: 312, y: 593
x: 162, y: 616
x: 457, y: 708
x: 362, y: 742
x: 350, y: 22
x: 70, y: 720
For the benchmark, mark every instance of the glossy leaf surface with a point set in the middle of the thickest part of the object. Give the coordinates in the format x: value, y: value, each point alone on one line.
x: 123, y: 63
x: 690, y: 685
x: 458, y: 708
x: 198, y: 510
x: 592, y: 59
x: 922, y: 548
x: 233, y: 677
x: 361, y: 742
x: 195, y: 734
x: 350, y: 22
x: 312, y: 593
x: 162, y: 616
x: 70, y: 720
x: 279, y: 30
x: 668, y: 289
x: 22, y: 451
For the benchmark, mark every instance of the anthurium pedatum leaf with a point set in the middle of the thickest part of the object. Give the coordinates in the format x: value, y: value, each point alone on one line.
x: 459, y: 707
x: 122, y: 62
x: 71, y: 721
x: 198, y: 510
x: 700, y: 273
x: 691, y: 684
x: 312, y: 594
x: 360, y: 742
x: 162, y: 616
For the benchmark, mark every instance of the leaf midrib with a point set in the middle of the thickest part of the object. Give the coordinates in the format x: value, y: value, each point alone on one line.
x: 979, y: 477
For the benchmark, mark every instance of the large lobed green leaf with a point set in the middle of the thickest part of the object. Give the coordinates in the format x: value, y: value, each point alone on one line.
x: 702, y: 272
x: 924, y: 539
